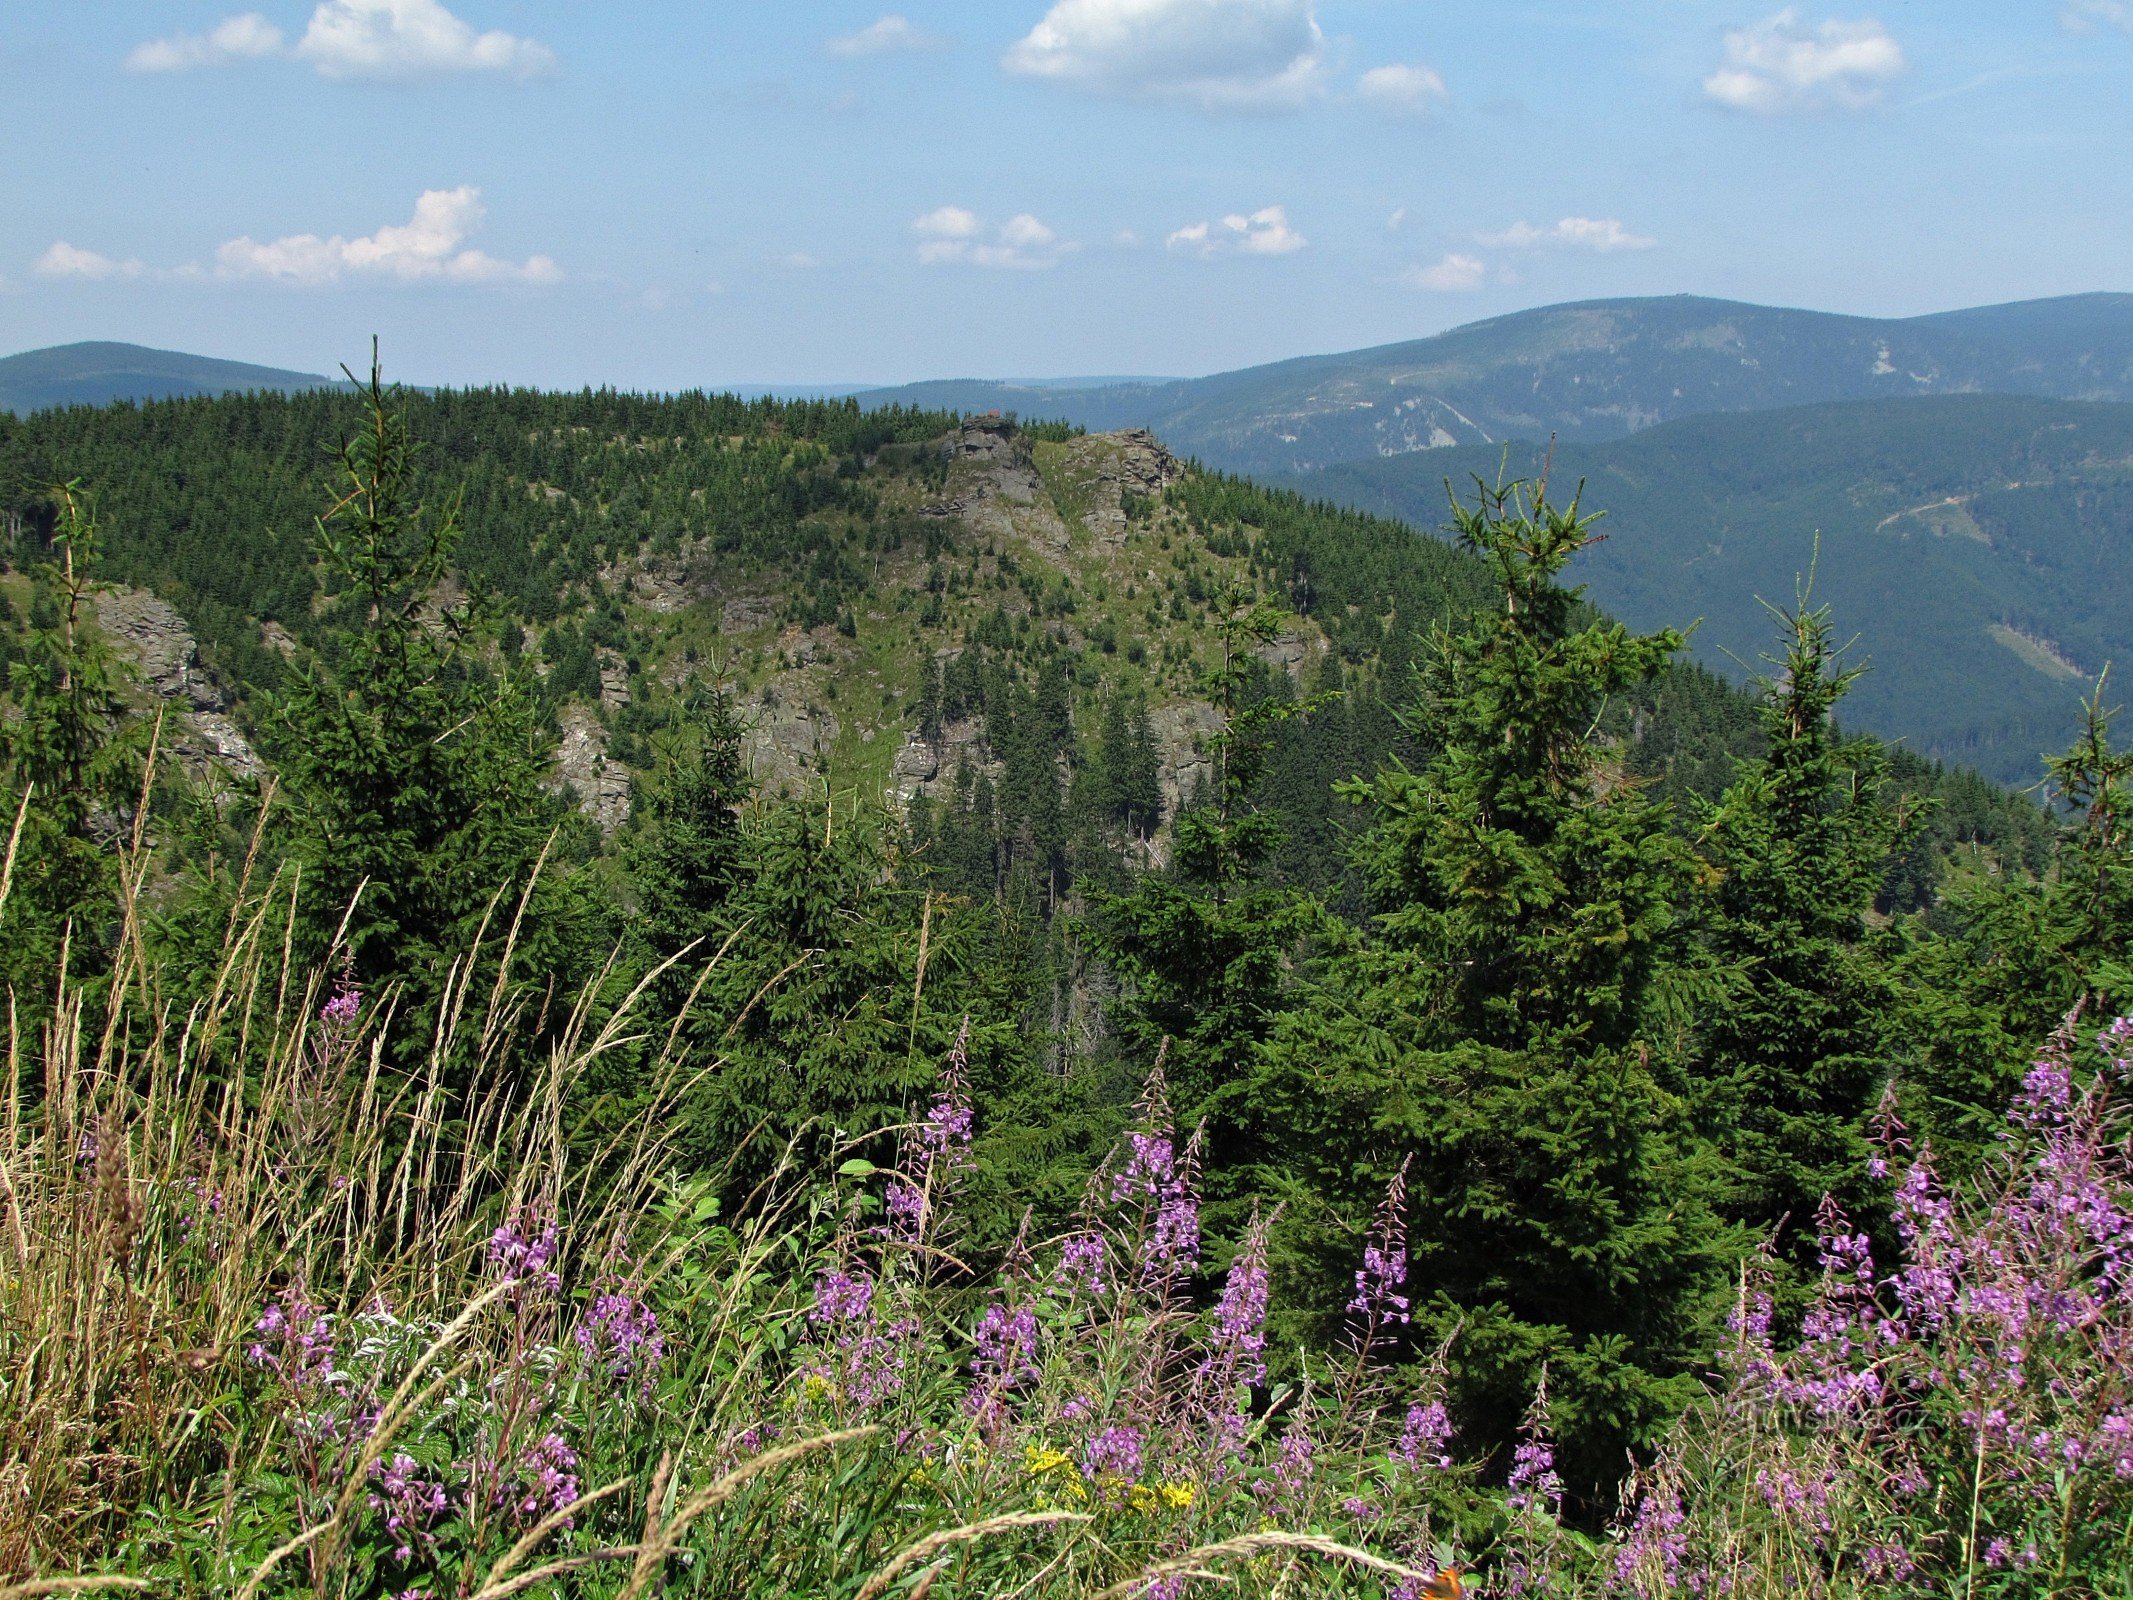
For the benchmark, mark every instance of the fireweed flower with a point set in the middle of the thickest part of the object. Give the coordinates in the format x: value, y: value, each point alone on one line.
x: 860, y: 1357
x: 1424, y: 1434
x: 1534, y: 1482
x: 408, y: 1504
x: 296, y: 1343
x: 619, y: 1340
x: 935, y: 1155
x: 1380, y: 1299
x: 547, y: 1478
x: 520, y: 1254
x: 1004, y: 1348
x: 1082, y: 1260
x: 339, y: 1013
x: 1114, y: 1453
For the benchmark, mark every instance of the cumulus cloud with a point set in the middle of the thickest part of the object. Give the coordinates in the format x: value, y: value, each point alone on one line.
x: 411, y: 39
x: 2085, y: 16
x: 890, y: 35
x: 1214, y: 55
x: 1455, y: 274
x: 1265, y: 232
x: 245, y: 37
x: 431, y: 247
x: 1602, y: 234
x: 384, y: 39
x: 64, y: 260
x: 953, y: 234
x: 1784, y: 64
x: 1408, y: 91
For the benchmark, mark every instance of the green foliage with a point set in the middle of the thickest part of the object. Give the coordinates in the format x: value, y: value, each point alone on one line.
x: 410, y: 774
x: 73, y: 767
x: 1798, y: 1048
x: 1503, y: 1025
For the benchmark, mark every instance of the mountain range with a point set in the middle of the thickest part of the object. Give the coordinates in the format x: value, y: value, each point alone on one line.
x: 1598, y: 369
x: 1961, y: 484
x: 98, y: 372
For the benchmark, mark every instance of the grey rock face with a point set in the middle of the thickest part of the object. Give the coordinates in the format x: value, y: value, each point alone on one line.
x: 148, y: 634
x: 602, y: 785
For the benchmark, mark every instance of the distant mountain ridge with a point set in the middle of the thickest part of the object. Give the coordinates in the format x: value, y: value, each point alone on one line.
x: 1587, y: 371
x: 98, y: 372
x: 1973, y: 546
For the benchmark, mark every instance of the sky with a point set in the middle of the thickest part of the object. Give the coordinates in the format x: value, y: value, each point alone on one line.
x: 663, y: 196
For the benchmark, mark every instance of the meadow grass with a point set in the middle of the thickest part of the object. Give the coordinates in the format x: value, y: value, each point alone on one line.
x: 304, y: 1297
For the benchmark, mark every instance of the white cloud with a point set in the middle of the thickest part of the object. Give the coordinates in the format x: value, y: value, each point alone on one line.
x: 798, y: 260
x: 1455, y: 274
x: 429, y: 247
x: 355, y: 39
x: 950, y: 222
x: 1266, y: 232
x: 1783, y: 64
x: 888, y: 36
x: 245, y: 37
x: 1126, y: 239
x: 1602, y: 234
x: 2083, y: 16
x: 1409, y: 91
x: 64, y: 260
x: 1397, y: 220
x: 411, y: 39
x: 1025, y: 232
x: 953, y: 234
x: 1215, y: 55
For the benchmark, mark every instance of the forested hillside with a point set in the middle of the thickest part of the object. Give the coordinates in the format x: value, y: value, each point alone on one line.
x: 1972, y: 545
x: 767, y: 920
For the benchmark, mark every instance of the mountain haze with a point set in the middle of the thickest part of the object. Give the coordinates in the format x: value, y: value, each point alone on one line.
x: 1593, y: 370
x: 99, y: 372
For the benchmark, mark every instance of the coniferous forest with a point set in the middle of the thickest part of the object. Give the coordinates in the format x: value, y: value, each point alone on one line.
x: 619, y: 995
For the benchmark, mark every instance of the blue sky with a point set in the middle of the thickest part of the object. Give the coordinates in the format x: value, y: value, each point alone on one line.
x: 667, y: 195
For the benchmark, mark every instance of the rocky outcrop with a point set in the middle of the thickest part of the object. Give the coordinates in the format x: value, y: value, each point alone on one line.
x: 993, y: 487
x: 150, y: 636
x: 584, y: 768
x: 787, y: 741
x: 148, y: 631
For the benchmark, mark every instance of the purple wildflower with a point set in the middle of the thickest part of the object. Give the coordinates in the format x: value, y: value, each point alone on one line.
x: 1005, y: 1346
x: 339, y: 1013
x: 522, y: 1256
x: 1114, y: 1453
x: 1534, y: 1483
x: 296, y: 1342
x: 619, y: 1339
x: 1382, y: 1279
x: 409, y: 1502
x: 1424, y: 1435
x: 548, y: 1478
x: 1237, y: 1352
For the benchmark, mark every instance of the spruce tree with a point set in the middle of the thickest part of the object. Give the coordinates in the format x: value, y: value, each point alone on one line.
x: 73, y: 765
x: 411, y: 778
x: 1205, y: 946
x: 1796, y: 1050
x: 1504, y: 1025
